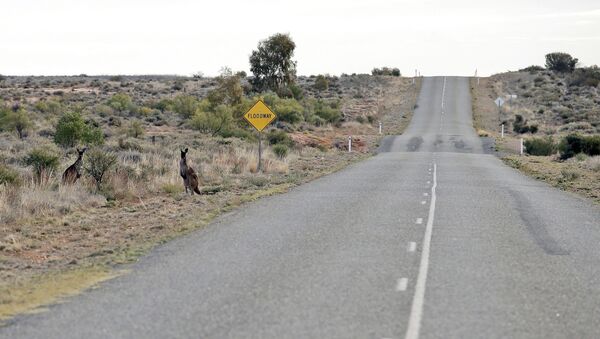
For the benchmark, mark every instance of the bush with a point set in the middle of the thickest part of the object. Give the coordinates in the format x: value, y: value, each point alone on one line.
x: 71, y: 129
x: 326, y: 111
x: 8, y: 176
x: 386, y: 71
x: 288, y: 110
x: 560, y: 62
x: 185, y: 105
x: 15, y: 120
x: 532, y: 69
x: 321, y: 83
x: 540, y: 146
x: 121, y: 102
x: 574, y: 144
x: 589, y: 76
x: 280, y: 150
x: 135, y: 130
x: 214, y: 123
x: 98, y: 163
x: 520, y: 125
x: 277, y: 137
x: 44, y: 162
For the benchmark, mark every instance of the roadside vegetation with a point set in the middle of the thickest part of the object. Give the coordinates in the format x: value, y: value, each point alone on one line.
x: 556, y: 110
x: 129, y: 195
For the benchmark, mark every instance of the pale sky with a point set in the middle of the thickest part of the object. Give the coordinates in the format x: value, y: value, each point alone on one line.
x: 67, y: 37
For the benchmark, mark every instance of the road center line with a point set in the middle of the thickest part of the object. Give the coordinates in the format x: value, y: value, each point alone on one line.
x: 402, y: 284
x: 423, y: 202
x: 416, y: 311
x: 419, y: 221
x: 412, y: 246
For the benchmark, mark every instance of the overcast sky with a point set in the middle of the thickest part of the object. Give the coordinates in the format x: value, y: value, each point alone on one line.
x: 438, y: 37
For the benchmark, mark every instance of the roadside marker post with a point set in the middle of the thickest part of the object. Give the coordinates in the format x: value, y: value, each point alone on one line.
x: 521, y: 146
x: 260, y: 116
x: 380, y: 127
x: 502, y: 131
x: 349, y: 144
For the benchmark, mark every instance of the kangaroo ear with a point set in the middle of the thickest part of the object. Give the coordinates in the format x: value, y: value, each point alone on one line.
x: 186, y: 150
x: 78, y: 151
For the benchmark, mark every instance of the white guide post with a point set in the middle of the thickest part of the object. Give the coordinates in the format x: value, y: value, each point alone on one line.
x: 521, y: 146
x: 349, y: 144
x: 502, y: 131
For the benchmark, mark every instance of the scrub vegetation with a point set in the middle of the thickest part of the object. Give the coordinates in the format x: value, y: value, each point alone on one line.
x: 130, y: 195
x: 556, y: 110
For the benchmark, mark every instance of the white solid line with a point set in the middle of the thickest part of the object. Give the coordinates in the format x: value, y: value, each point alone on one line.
x: 416, y: 311
x: 412, y: 246
x: 401, y: 285
x: 419, y: 221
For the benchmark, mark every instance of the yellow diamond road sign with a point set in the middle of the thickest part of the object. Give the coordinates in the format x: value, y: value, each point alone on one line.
x: 260, y: 116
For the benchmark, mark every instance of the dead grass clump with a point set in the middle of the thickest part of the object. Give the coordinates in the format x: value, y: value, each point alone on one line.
x: 592, y: 163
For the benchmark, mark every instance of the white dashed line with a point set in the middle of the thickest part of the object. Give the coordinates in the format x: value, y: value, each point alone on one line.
x: 425, y: 194
x: 429, y: 182
x: 402, y: 284
x: 419, y: 221
x: 423, y: 202
x: 416, y: 311
x: 412, y: 246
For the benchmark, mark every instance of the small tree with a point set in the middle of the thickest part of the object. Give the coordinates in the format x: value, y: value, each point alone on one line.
x: 43, y: 161
x: 71, y: 129
x: 120, y: 102
x: 98, y: 163
x: 135, y: 129
x: 16, y: 120
x: 213, y: 123
x: 185, y: 105
x: 272, y: 64
x: 560, y: 62
x: 229, y: 90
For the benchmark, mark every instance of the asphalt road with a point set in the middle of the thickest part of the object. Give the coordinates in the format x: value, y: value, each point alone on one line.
x: 431, y: 238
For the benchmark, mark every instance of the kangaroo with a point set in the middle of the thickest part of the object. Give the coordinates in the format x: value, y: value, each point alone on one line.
x: 190, y: 178
x: 73, y: 172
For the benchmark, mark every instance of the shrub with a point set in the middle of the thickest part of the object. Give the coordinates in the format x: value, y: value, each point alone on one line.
x: 574, y: 144
x: 135, y: 130
x: 71, y: 129
x: 321, y: 83
x: 277, y: 137
x: 44, y: 161
x: 327, y: 111
x: 520, y: 124
x: 589, y: 76
x: 288, y: 110
x: 560, y: 62
x: 98, y: 162
x: 8, y: 176
x: 540, y: 146
x: 386, y: 71
x: 213, y: 123
x: 532, y: 69
x: 120, y: 102
x: 185, y: 105
x: 280, y: 150
x: 15, y: 120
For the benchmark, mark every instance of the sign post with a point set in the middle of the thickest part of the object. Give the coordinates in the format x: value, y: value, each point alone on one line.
x: 499, y: 102
x: 260, y: 116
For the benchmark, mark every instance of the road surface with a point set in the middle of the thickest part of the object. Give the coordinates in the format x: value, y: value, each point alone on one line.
x: 431, y: 238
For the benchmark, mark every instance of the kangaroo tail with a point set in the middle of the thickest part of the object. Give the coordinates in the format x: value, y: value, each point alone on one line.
x: 197, y: 190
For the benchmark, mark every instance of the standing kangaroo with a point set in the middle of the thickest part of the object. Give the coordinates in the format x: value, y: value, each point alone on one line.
x: 73, y: 172
x: 190, y: 179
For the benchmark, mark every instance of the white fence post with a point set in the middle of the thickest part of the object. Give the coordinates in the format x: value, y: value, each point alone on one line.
x: 522, y: 147
x: 349, y: 144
